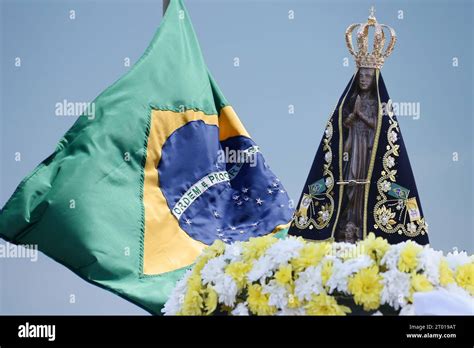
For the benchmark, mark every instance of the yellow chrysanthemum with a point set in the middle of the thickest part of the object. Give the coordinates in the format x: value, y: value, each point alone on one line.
x: 326, y: 271
x: 366, y: 287
x: 194, y: 282
x: 408, y: 257
x: 258, y: 301
x: 310, y: 255
x: 324, y: 304
x: 256, y: 247
x: 284, y: 275
x: 375, y: 247
x: 210, y: 300
x: 193, y: 301
x: 446, y: 274
x: 238, y: 271
x: 192, y: 304
x: 419, y: 282
x: 199, y: 264
x: 217, y: 248
x: 465, y: 277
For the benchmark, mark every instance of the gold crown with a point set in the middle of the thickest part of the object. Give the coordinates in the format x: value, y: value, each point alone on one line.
x: 376, y: 58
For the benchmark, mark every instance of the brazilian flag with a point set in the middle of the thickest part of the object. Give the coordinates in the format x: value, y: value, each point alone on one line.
x: 132, y: 196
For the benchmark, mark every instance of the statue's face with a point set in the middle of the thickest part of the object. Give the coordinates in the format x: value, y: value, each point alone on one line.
x: 366, y: 78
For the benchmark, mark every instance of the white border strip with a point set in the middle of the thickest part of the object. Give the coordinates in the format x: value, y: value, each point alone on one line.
x: 197, y: 190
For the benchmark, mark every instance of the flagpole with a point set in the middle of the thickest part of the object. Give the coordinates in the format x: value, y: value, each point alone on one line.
x: 165, y: 5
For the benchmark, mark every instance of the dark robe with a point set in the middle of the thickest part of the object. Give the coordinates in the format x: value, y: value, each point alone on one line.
x: 388, y: 205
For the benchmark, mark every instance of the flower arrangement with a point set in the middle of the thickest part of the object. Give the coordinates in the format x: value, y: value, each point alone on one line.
x: 290, y: 276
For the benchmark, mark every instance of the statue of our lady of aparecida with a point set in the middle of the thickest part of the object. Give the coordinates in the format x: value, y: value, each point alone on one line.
x: 361, y: 180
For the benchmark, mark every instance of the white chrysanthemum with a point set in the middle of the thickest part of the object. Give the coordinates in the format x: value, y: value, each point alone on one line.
x: 233, y: 252
x: 309, y: 282
x: 240, y: 309
x: 378, y: 313
x: 392, y: 256
x: 278, y: 294
x: 429, y: 260
x: 173, y: 305
x: 284, y: 250
x: 396, y: 288
x: 213, y: 269
x: 261, y: 269
x: 277, y: 254
x: 342, y: 270
x: 456, y: 259
x: 226, y: 289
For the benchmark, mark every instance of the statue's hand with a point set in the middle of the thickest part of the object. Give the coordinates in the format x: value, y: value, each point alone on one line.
x: 358, y: 109
x: 357, y: 106
x: 350, y: 119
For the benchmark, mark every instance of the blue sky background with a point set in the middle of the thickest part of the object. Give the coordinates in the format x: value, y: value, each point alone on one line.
x: 282, y: 62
